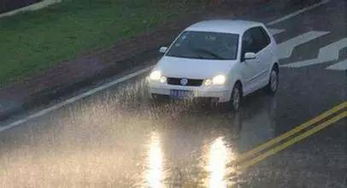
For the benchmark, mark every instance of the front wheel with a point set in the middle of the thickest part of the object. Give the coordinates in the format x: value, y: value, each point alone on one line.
x: 272, y: 86
x: 236, y: 96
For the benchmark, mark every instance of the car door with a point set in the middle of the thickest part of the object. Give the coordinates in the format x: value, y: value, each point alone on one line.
x: 263, y: 51
x: 249, y: 67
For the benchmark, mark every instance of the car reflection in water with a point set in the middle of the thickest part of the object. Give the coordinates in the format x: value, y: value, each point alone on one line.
x: 197, y: 148
x: 219, y: 156
x: 155, y: 172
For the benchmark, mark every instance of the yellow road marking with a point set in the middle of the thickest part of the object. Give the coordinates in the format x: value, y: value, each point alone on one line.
x: 291, y: 132
x: 292, y: 141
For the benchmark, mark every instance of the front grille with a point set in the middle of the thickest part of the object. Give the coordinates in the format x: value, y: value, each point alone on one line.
x: 191, y: 82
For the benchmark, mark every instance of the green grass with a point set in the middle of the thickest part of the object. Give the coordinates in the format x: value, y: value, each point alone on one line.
x: 33, y: 41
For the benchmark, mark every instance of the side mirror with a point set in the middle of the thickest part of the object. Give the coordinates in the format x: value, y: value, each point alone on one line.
x: 250, y: 55
x: 163, y: 50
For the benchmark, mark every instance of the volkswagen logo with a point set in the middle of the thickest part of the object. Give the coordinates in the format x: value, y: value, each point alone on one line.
x: 184, y: 81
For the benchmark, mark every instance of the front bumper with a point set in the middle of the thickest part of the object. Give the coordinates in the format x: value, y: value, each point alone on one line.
x: 221, y: 93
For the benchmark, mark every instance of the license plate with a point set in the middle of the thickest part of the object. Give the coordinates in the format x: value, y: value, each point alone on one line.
x: 181, y: 94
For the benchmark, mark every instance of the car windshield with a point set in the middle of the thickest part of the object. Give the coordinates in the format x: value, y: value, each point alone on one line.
x: 205, y: 45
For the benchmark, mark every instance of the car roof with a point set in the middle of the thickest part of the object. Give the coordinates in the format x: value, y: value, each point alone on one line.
x: 224, y: 26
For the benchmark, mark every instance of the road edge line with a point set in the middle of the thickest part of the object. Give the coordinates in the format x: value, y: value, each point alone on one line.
x: 74, y: 99
x: 293, y: 14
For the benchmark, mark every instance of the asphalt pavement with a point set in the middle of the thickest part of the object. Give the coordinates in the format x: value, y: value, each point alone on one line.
x: 119, y: 138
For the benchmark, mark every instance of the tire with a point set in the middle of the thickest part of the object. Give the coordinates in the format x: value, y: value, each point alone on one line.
x: 272, y: 86
x: 236, y: 98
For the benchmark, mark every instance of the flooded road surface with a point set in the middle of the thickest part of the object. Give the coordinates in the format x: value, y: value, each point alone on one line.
x: 120, y: 138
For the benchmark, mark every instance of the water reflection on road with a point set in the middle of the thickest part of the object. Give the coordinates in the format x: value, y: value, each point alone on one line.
x: 121, y: 139
x: 155, y: 172
x: 219, y: 156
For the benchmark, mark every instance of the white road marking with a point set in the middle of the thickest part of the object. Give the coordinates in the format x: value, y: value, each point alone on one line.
x: 340, y: 66
x: 298, y: 12
x: 125, y: 78
x: 285, y: 49
x: 74, y: 99
x: 33, y: 7
x: 276, y: 31
x: 326, y: 54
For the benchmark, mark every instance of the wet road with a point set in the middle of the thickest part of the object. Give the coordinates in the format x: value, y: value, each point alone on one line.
x: 118, y: 138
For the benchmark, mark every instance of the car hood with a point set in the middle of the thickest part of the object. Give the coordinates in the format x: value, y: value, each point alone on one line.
x: 193, y: 68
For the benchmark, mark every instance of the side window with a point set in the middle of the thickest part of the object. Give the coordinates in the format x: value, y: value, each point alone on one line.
x: 247, y: 43
x: 266, y: 36
x: 261, y: 39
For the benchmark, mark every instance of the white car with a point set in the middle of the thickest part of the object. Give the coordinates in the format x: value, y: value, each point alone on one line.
x: 223, y: 60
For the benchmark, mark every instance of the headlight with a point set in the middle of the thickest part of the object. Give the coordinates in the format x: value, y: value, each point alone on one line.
x: 208, y: 82
x: 219, y: 80
x: 163, y: 79
x: 155, y: 75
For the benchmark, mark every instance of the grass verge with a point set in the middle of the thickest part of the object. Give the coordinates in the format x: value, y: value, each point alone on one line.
x: 34, y: 41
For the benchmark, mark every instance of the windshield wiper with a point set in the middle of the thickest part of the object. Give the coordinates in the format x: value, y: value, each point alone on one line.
x: 208, y: 52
